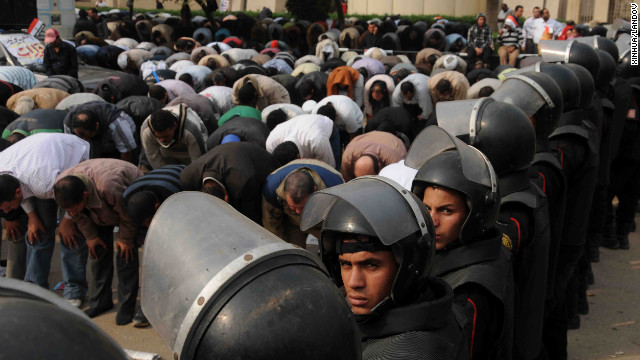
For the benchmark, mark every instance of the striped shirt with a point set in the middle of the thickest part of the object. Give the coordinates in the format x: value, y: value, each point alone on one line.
x: 37, y: 161
x: 163, y: 182
x: 511, y: 37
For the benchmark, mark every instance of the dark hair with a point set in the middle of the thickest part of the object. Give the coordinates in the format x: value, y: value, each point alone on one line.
x: 82, y: 13
x: 141, y: 206
x: 400, y: 75
x: 518, y: 7
x: 88, y: 124
x: 286, y: 152
x: 106, y: 92
x: 157, y: 92
x: 443, y: 86
x: 162, y: 120
x: 436, y: 35
x: 431, y: 59
x: 8, y: 187
x: 69, y: 191
x: 213, y: 189
x: 247, y: 94
x: 219, y: 77
x: 94, y: 10
x: 406, y: 87
x: 298, y: 186
x: 187, y: 78
x: 211, y: 63
x: 306, y: 87
x: 536, y: 7
x: 275, y: 118
x: 485, y: 91
x: 328, y: 110
x: 15, y: 137
x: 363, y: 71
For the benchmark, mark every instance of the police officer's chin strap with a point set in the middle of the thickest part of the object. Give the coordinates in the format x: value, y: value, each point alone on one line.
x: 370, y: 246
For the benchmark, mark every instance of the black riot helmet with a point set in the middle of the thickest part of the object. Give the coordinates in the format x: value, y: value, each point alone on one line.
x: 538, y: 96
x: 570, y: 51
x: 624, y: 69
x: 597, y: 42
x: 566, y: 80
x: 379, y: 208
x: 607, y: 69
x: 45, y: 326
x: 500, y: 130
x: 241, y: 293
x: 463, y: 168
x: 587, y: 85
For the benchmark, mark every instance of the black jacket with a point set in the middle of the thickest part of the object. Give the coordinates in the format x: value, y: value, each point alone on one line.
x: 425, y: 329
x: 247, y: 129
x: 85, y: 24
x: 241, y: 167
x: 63, y: 62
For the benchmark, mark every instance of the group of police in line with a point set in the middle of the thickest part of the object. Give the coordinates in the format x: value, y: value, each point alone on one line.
x: 477, y: 245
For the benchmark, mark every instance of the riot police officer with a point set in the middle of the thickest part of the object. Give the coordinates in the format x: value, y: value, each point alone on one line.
x: 383, y: 258
x: 524, y: 215
x: 460, y: 188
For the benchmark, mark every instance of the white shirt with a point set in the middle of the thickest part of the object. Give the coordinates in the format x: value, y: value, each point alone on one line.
x: 37, y: 161
x: 399, y: 173
x: 348, y: 113
x: 539, y: 26
x: 421, y: 96
x: 527, y: 28
x: 310, y: 133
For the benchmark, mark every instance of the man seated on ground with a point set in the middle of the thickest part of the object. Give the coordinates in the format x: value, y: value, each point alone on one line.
x: 60, y: 58
x: 286, y: 192
x: 234, y: 172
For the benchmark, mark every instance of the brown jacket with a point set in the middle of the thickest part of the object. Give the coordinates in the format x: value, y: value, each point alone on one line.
x: 459, y: 85
x: 269, y: 91
x: 106, y: 180
x: 386, y: 147
x: 44, y: 98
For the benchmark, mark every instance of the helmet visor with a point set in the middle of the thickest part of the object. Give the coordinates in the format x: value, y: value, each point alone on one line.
x: 375, y: 200
x: 623, y: 43
x: 555, y: 50
x: 435, y: 140
x: 458, y: 117
x: 524, y: 93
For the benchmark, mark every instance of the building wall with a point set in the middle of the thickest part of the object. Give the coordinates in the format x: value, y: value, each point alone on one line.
x: 417, y: 7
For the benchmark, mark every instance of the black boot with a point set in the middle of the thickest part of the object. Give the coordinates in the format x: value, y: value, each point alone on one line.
x: 622, y: 235
x: 609, y: 239
x: 594, y: 247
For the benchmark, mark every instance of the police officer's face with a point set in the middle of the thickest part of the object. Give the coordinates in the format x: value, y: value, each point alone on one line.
x: 367, y: 278
x: 448, y: 211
